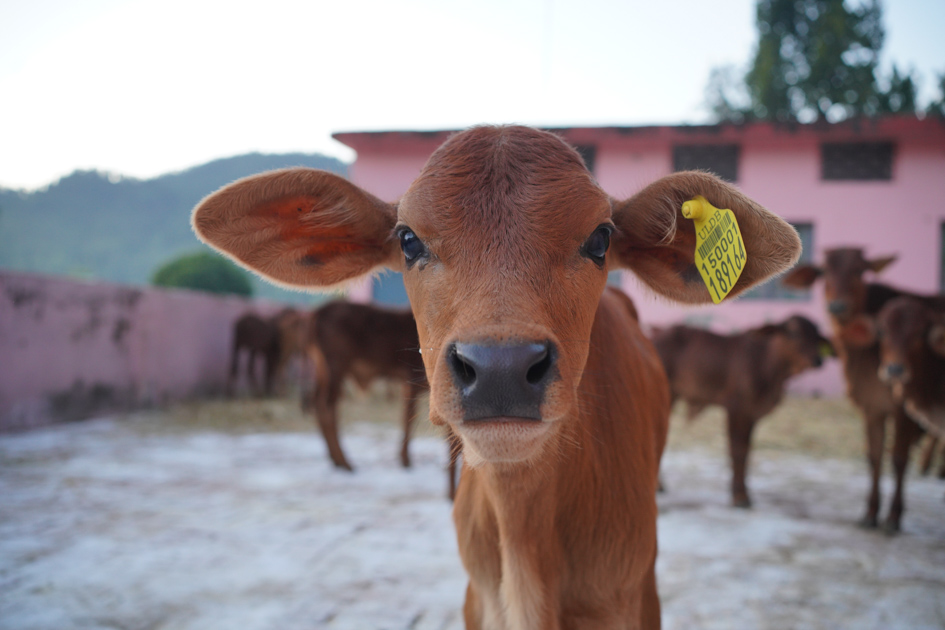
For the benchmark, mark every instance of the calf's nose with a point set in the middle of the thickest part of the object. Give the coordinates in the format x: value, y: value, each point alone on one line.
x: 838, y: 308
x: 502, y: 380
x: 894, y: 372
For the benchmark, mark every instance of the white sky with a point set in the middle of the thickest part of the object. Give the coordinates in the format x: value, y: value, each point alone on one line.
x: 145, y: 87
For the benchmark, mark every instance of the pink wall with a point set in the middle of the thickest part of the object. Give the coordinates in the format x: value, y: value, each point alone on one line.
x: 780, y: 167
x: 71, y: 349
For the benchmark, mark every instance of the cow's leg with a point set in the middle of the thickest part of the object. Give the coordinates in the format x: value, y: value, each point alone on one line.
x: 928, y: 454
x: 327, y: 396
x: 875, y: 424
x: 272, y: 360
x: 740, y: 428
x: 650, y: 603
x: 234, y: 368
x: 411, y: 392
x: 907, y: 433
x: 251, y: 373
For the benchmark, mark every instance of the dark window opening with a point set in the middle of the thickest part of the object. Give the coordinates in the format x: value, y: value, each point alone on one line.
x: 774, y: 289
x: 856, y: 161
x: 721, y: 159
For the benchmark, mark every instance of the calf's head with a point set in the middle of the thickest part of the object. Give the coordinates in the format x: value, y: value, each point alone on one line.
x: 844, y: 286
x: 798, y: 342
x: 505, y: 241
x: 907, y: 331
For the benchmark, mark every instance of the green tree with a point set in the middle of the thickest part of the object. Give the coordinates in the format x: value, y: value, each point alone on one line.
x: 937, y: 107
x: 815, y: 60
x: 203, y: 271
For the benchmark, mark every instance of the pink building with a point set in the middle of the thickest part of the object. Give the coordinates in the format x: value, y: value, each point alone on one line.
x: 877, y: 184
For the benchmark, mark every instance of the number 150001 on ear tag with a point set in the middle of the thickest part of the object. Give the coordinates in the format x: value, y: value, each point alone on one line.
x: 720, y: 250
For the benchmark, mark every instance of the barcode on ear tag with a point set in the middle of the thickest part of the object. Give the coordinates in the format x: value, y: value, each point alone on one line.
x: 720, y: 251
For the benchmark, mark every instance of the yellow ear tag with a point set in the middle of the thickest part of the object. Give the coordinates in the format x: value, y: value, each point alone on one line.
x: 720, y: 250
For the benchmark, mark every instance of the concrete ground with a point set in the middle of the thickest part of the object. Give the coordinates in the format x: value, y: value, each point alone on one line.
x: 118, y: 524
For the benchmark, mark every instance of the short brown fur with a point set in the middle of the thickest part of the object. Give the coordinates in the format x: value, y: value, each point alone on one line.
x: 555, y: 516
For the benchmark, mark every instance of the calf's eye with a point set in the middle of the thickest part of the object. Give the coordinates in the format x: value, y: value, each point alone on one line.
x: 412, y: 246
x: 597, y: 244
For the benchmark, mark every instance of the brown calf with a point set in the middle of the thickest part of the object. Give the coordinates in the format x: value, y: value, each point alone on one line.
x: 745, y: 373
x: 848, y: 297
x: 292, y: 329
x: 912, y: 360
x: 258, y: 338
x: 505, y: 241
x: 365, y: 343
x: 275, y: 340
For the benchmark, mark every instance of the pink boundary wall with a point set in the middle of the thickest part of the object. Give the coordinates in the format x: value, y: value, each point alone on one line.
x: 72, y: 349
x: 780, y: 167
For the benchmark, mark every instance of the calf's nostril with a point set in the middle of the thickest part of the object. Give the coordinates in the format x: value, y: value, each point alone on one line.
x: 541, y: 367
x: 462, y: 369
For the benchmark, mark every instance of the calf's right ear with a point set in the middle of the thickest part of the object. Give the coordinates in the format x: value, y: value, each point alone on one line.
x: 300, y: 227
x: 802, y: 277
x: 658, y: 244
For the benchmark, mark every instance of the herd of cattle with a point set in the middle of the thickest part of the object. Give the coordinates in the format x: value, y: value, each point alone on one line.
x: 891, y: 343
x: 558, y: 400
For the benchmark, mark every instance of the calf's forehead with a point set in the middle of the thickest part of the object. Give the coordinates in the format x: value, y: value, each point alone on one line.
x: 504, y: 186
x: 903, y: 319
x: 803, y: 328
x: 846, y: 262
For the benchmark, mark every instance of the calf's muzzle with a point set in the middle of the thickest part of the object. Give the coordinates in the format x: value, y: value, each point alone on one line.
x: 502, y: 380
x: 894, y: 373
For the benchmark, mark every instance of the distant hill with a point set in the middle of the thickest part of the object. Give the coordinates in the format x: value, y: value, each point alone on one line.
x: 95, y: 226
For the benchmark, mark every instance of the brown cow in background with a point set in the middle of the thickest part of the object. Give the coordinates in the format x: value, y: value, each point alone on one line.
x: 745, y: 373
x: 849, y: 296
x: 274, y: 340
x: 292, y: 330
x: 258, y: 338
x: 365, y: 342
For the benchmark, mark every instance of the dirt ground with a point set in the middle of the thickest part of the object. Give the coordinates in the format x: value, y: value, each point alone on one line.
x: 228, y: 515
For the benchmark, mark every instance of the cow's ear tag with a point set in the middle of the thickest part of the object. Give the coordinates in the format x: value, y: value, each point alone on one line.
x: 720, y: 250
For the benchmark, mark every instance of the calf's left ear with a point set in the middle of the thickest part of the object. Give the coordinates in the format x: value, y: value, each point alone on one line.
x: 654, y: 240
x: 300, y: 227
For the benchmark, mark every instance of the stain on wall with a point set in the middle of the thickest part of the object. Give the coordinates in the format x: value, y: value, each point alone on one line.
x: 70, y: 349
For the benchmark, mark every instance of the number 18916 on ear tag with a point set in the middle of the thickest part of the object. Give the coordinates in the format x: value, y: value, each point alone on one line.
x: 720, y: 250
